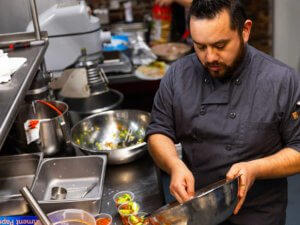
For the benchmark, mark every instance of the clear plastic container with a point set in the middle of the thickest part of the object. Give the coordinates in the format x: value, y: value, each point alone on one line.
x: 139, y: 218
x: 125, y: 207
x: 70, y: 217
x: 100, y: 216
x: 122, y: 193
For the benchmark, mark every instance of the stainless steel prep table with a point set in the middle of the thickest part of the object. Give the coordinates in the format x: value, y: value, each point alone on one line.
x: 138, y: 177
x: 13, y: 92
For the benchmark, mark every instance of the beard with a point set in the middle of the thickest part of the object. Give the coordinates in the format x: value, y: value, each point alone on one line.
x: 226, y: 71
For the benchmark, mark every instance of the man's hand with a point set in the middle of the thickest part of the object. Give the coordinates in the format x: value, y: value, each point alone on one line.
x: 247, y: 173
x: 182, y: 185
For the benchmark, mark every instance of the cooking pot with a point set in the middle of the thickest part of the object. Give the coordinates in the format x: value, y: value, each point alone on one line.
x: 54, y: 129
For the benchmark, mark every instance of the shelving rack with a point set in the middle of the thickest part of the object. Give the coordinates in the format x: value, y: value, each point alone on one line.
x: 13, y: 92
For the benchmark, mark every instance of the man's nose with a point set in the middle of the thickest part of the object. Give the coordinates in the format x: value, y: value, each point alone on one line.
x: 211, y: 55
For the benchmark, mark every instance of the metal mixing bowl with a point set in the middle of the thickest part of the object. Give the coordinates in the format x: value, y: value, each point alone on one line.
x: 118, y: 133
x: 210, y: 206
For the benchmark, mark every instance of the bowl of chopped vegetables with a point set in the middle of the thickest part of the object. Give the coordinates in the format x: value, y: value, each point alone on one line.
x: 118, y: 133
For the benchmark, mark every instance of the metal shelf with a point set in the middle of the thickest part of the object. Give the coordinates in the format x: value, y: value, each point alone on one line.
x: 13, y: 92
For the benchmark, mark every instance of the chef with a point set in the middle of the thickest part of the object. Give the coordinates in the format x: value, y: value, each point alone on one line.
x: 236, y: 112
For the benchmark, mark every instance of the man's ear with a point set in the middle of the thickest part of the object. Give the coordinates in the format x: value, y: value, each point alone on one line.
x: 247, y: 30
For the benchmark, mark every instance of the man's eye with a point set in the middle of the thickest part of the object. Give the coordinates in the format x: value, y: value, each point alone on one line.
x: 201, y: 47
x: 220, y: 46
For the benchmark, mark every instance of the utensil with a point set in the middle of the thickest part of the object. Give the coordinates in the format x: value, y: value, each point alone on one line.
x: 210, y: 206
x: 106, y: 131
x: 58, y: 193
x: 89, y: 189
x: 26, y: 193
x: 127, y: 138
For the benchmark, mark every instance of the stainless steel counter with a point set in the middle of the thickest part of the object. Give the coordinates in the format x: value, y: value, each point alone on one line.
x: 13, y: 92
x: 138, y: 177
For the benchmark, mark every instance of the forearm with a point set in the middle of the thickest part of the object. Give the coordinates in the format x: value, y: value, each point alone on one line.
x: 163, y: 152
x: 283, y: 163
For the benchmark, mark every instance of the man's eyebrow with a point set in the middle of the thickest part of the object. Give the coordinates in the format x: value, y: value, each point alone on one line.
x: 217, y: 42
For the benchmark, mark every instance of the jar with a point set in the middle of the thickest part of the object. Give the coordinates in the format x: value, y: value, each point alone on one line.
x: 161, y: 24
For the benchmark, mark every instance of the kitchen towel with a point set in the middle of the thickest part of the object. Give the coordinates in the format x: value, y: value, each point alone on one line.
x: 9, y: 65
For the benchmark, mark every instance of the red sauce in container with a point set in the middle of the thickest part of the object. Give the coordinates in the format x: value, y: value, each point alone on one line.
x: 103, y: 221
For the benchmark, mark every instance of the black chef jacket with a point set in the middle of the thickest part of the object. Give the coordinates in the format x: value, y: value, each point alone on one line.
x: 250, y: 116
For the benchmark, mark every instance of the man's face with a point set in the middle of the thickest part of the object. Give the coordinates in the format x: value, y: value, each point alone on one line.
x: 218, y: 47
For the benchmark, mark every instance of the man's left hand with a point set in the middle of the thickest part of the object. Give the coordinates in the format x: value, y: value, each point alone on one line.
x: 247, y: 173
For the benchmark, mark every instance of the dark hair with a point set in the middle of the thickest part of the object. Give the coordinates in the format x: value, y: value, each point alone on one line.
x: 208, y: 9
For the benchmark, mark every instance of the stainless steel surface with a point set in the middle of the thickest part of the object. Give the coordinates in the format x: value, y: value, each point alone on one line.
x: 13, y: 92
x: 6, y: 39
x: 210, y: 206
x: 35, y: 206
x: 16, y: 171
x: 35, y: 19
x: 54, y: 129
x: 71, y: 172
x: 106, y: 128
x: 138, y: 177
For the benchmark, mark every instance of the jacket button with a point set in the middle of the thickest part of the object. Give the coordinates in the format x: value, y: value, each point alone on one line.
x: 206, y: 80
x: 202, y: 110
x: 232, y: 115
x: 228, y: 147
x: 238, y: 82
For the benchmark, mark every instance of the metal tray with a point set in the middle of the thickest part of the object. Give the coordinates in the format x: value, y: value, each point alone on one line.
x: 75, y: 174
x: 16, y: 171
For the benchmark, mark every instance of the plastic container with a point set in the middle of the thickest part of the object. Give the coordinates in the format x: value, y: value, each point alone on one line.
x: 161, y: 24
x: 125, y: 207
x: 122, y: 193
x: 70, y: 217
x: 101, y: 216
x: 139, y: 218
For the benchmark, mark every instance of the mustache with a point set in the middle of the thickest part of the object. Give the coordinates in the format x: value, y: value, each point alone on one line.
x: 214, y: 64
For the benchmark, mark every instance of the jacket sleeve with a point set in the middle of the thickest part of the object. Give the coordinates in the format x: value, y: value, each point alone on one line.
x: 290, y: 124
x: 162, y: 115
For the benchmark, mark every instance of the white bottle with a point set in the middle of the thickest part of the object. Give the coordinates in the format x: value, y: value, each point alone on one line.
x: 128, y: 12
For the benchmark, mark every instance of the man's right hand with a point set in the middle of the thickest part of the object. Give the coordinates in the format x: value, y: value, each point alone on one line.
x: 182, y: 185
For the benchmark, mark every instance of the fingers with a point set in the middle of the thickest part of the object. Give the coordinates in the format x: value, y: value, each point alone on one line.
x: 182, y: 185
x: 190, y: 181
x: 242, y: 192
x: 239, y: 205
x: 233, y: 172
x: 180, y: 193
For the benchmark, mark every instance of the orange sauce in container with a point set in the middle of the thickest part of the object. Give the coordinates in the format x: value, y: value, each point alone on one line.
x: 103, y: 221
